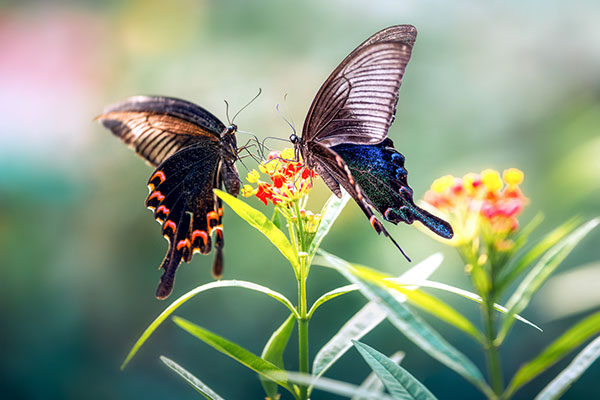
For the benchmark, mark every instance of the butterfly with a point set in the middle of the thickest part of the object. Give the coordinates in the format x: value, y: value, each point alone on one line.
x: 344, y: 137
x: 192, y: 152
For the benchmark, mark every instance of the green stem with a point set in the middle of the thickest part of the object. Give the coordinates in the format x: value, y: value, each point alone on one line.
x: 493, y: 356
x: 303, y: 327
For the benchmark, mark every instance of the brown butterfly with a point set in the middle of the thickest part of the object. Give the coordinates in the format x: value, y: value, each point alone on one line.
x: 193, y: 153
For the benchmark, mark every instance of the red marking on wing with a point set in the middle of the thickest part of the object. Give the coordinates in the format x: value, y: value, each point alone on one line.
x: 202, y: 234
x: 160, y: 175
x: 220, y: 212
x: 158, y: 195
x: 211, y: 216
x: 163, y: 209
x: 170, y: 224
x: 374, y: 222
x: 183, y: 243
x: 218, y: 228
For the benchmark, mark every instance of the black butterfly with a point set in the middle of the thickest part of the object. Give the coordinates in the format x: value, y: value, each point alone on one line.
x: 344, y: 138
x: 193, y: 152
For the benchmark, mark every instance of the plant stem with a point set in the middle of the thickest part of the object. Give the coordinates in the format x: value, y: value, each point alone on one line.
x: 303, y: 327
x: 493, y: 356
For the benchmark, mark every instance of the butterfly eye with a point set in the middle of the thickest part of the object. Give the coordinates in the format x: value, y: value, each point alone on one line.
x: 232, y: 128
x: 294, y: 139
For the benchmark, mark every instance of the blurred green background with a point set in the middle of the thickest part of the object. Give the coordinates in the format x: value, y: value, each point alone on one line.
x: 490, y: 85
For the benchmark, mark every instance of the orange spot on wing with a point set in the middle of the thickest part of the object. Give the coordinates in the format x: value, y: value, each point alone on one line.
x: 156, y: 195
x: 170, y: 224
x: 218, y: 228
x: 183, y: 243
x: 220, y: 212
x: 163, y: 209
x: 199, y: 233
x: 374, y: 222
x: 160, y: 175
x: 210, y: 216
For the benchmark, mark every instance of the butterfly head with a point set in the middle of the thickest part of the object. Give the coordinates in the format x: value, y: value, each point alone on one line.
x: 232, y: 129
x: 294, y: 139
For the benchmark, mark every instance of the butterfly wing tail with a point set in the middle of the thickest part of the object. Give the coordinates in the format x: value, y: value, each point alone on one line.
x: 169, y: 266
x: 409, y: 213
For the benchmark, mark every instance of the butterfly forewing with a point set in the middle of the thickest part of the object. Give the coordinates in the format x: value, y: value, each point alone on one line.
x: 157, y: 127
x: 357, y: 103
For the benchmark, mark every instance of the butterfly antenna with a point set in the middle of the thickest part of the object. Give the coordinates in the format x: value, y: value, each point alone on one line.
x: 250, y: 102
x: 290, y: 124
x: 227, y: 112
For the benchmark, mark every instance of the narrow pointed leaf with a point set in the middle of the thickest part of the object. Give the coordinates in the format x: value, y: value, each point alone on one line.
x: 399, y: 382
x: 414, y: 327
x: 273, y: 352
x: 331, y: 211
x: 366, y: 319
x: 259, y: 221
x: 372, y: 382
x: 196, y: 383
x: 542, y: 270
x: 238, y: 353
x: 181, y: 300
x: 562, y: 346
x: 535, y: 252
x: 574, y: 370
x: 335, y: 387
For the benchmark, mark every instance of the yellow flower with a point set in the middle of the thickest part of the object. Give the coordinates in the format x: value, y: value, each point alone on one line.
x: 288, y: 154
x: 512, y: 176
x: 253, y: 176
x: 442, y: 184
x: 491, y: 180
x: 247, y: 191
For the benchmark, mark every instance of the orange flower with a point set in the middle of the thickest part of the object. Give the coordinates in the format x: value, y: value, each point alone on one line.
x: 290, y: 179
x: 474, y: 202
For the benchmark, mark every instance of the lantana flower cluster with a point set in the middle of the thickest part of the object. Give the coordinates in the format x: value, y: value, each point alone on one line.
x: 290, y: 179
x: 486, y: 203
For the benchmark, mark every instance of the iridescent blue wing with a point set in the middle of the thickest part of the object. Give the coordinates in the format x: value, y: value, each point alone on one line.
x: 380, y: 173
x: 357, y: 102
x: 157, y: 127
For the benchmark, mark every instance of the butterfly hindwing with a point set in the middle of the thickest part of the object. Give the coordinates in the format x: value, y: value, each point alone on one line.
x: 183, y: 202
x: 380, y: 172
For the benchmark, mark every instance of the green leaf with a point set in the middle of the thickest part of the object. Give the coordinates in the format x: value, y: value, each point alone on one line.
x: 238, y: 353
x: 181, y: 300
x: 413, y: 327
x: 527, y: 230
x: 542, y: 270
x: 334, y: 386
x: 399, y: 382
x: 259, y: 221
x: 366, y: 319
x: 422, y: 300
x: 276, y: 218
x: 463, y: 293
x: 571, y: 339
x: 196, y: 383
x: 372, y: 382
x: 574, y: 370
x: 331, y: 210
x: 523, y: 262
x: 273, y: 352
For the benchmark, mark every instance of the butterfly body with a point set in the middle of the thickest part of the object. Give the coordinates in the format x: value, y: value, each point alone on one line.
x: 344, y: 137
x: 193, y: 153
